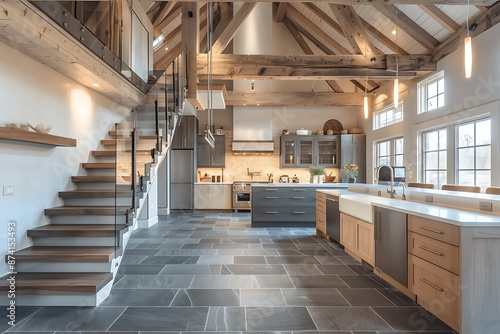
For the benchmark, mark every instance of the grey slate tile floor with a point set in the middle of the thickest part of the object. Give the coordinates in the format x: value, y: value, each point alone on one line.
x: 211, y: 272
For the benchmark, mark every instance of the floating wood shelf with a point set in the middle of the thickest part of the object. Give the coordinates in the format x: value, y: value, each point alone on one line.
x: 35, y: 137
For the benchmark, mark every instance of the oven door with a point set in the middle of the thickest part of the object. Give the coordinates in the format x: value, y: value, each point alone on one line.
x: 241, y: 200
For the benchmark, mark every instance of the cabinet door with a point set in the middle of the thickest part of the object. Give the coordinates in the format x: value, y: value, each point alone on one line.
x: 327, y: 151
x: 219, y: 152
x: 353, y: 150
x: 204, y: 152
x: 227, y: 195
x: 185, y: 133
x: 348, y: 232
x: 365, y: 243
x: 201, y: 196
x: 288, y: 150
x: 305, y: 152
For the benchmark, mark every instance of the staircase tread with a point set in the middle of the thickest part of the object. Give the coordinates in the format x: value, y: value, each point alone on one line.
x: 103, y: 165
x: 82, y: 193
x: 75, y: 230
x: 58, y: 283
x: 101, y: 227
x: 86, y: 210
x: 74, y: 254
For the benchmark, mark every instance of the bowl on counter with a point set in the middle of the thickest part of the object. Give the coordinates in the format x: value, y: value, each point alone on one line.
x: 302, y: 132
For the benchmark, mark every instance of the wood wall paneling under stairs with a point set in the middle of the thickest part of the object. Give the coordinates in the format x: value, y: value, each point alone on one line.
x: 72, y: 259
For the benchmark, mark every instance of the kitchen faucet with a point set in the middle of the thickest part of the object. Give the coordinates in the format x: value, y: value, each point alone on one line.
x: 404, y: 185
x: 391, y: 191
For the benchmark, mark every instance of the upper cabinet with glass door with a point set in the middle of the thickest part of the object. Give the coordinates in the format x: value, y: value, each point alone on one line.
x: 304, y: 151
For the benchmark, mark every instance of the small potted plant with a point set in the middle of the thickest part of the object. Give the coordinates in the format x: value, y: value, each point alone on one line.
x: 351, y: 170
x: 317, y: 172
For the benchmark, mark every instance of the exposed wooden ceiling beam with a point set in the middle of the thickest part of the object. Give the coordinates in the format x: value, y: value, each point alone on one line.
x: 307, y: 50
x: 438, y: 15
x: 162, y: 14
x: 323, y: 48
x: 168, y: 58
x: 147, y: 4
x: 298, y: 16
x: 354, y: 30
x: 383, y: 38
x: 368, y: 2
x: 306, y: 67
x: 171, y: 36
x: 408, y: 25
x: 227, y: 35
x: 175, y: 12
x: 484, y: 22
x: 280, y: 12
x: 309, y: 99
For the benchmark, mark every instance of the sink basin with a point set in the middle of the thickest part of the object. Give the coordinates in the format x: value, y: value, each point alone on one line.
x: 360, y: 206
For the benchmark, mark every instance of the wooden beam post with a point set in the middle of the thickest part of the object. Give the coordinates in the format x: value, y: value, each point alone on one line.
x: 190, y: 26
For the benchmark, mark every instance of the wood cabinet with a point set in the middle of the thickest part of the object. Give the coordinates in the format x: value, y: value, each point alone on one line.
x: 357, y: 238
x: 320, y: 213
x: 212, y: 196
x: 304, y: 151
x: 185, y: 134
x: 211, y: 157
x: 434, y: 267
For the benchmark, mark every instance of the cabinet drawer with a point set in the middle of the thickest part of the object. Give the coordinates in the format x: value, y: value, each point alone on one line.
x: 321, y: 205
x: 285, y: 213
x: 320, y: 197
x: 437, y: 290
x: 436, y: 230
x: 321, y: 221
x: 439, y: 253
x: 272, y: 200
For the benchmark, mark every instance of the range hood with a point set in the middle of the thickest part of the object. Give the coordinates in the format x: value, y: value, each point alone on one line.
x: 252, y: 130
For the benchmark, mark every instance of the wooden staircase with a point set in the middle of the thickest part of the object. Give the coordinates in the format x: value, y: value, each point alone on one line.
x: 72, y: 259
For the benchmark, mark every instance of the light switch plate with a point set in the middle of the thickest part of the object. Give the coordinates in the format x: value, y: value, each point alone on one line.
x: 429, y: 199
x: 8, y: 190
x: 486, y: 206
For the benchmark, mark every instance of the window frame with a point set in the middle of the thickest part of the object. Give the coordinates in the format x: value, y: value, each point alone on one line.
x: 423, y: 154
x: 392, y: 151
x: 377, y: 125
x: 422, y: 92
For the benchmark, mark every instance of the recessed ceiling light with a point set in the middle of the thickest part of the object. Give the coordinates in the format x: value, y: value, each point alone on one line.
x: 166, y: 48
x: 96, y: 85
x: 394, y: 32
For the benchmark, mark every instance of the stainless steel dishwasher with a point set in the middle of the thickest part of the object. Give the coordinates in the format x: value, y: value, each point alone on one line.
x: 391, y: 243
x: 333, y: 217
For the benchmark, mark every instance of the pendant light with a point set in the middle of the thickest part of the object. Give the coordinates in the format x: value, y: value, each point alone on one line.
x: 396, y: 81
x: 468, y: 48
x: 365, y: 99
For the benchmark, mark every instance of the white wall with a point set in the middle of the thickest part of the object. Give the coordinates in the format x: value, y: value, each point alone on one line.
x: 464, y: 99
x: 31, y: 92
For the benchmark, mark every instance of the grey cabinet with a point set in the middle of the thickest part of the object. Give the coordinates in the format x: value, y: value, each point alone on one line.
x: 211, y: 156
x: 185, y: 133
x: 353, y: 151
x: 304, y: 151
x: 283, y: 206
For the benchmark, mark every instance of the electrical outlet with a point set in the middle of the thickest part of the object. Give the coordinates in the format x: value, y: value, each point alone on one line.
x: 429, y: 199
x: 8, y: 190
x: 486, y: 206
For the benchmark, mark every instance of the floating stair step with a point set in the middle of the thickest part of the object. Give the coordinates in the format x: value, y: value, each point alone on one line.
x: 107, y: 193
x: 93, y: 178
x: 112, y: 153
x: 128, y: 134
x: 67, y: 254
x: 57, y: 283
x: 99, y: 165
x: 56, y: 230
x: 111, y: 142
x: 85, y: 211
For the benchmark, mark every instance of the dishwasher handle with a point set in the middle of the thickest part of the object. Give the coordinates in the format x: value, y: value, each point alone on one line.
x: 332, y: 199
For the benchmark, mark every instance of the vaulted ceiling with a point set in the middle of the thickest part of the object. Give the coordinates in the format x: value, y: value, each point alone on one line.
x: 340, y: 39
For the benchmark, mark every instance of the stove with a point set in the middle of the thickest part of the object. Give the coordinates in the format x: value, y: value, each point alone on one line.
x: 242, y: 195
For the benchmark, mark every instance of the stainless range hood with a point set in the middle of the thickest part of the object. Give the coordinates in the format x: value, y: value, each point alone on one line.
x: 252, y: 130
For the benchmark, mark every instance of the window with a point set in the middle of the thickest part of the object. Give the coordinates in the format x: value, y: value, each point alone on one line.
x: 387, y: 116
x: 384, y: 149
x: 474, y: 153
x: 431, y: 93
x: 435, y: 157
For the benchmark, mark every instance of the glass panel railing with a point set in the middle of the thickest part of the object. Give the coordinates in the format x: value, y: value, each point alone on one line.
x: 123, y: 163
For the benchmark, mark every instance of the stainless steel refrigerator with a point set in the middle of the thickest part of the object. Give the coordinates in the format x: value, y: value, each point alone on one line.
x: 182, y: 176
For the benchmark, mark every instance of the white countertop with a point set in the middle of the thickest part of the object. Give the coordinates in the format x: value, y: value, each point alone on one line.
x: 307, y: 185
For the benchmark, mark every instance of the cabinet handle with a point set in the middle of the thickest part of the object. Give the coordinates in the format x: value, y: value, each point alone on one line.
x: 298, y: 197
x: 271, y: 189
x: 271, y: 212
x: 430, y: 250
x: 377, y: 225
x: 431, y: 285
x: 299, y: 212
x: 272, y: 197
x: 431, y: 230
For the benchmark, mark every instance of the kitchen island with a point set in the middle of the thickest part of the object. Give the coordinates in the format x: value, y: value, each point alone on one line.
x: 452, y: 262
x: 286, y: 204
